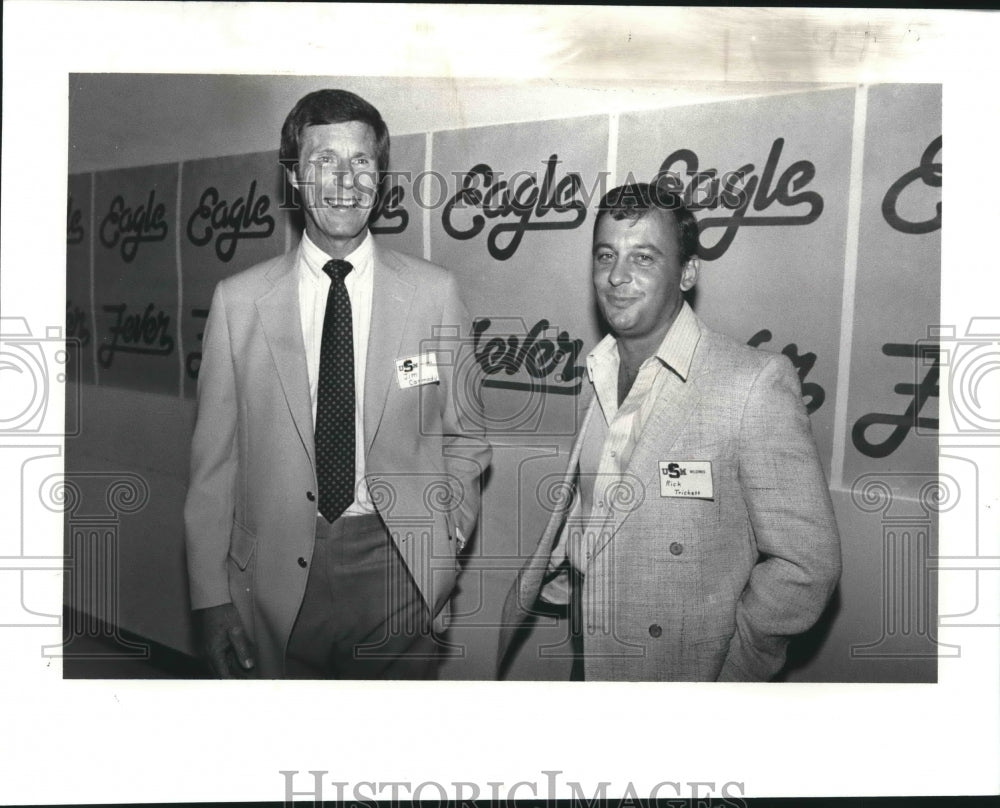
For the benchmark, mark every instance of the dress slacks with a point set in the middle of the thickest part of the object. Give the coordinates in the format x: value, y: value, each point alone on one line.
x: 362, y: 616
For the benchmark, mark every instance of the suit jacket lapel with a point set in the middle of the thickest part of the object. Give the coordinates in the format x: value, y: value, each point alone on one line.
x: 392, y: 297
x: 522, y: 595
x: 278, y: 309
x: 537, y: 566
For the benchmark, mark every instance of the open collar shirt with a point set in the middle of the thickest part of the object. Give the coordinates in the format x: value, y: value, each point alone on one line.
x: 604, y: 485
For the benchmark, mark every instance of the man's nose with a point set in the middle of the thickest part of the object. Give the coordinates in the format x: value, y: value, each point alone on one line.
x: 339, y: 175
x: 345, y: 176
x: 619, y: 273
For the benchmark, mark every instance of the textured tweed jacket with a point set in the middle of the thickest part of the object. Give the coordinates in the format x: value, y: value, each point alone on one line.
x: 698, y: 588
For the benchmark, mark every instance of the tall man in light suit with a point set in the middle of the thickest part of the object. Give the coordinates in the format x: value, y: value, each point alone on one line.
x: 333, y: 476
x: 700, y: 536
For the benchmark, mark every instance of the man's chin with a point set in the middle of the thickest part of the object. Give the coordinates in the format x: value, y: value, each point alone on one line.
x: 619, y: 323
x: 334, y: 239
x: 341, y: 226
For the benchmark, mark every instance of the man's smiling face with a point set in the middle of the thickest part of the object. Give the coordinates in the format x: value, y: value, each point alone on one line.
x: 337, y: 176
x: 637, y: 274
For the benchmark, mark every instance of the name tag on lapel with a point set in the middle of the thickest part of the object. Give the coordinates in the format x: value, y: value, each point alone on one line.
x: 686, y: 478
x: 416, y: 370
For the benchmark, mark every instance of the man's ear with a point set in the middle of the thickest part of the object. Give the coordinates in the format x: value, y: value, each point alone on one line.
x: 689, y: 274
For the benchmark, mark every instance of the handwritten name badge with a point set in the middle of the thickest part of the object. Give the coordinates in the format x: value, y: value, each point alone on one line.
x: 686, y: 478
x: 417, y: 370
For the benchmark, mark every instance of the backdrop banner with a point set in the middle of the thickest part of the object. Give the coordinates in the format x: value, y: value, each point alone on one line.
x: 398, y: 219
x: 79, y: 311
x: 892, y: 414
x: 513, y: 225
x: 231, y: 219
x: 768, y: 179
x: 135, y: 278
x: 891, y: 430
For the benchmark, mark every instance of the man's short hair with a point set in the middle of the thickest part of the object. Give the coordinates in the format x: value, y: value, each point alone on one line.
x: 332, y: 106
x: 636, y: 199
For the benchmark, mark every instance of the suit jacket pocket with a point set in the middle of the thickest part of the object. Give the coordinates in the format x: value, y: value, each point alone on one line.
x: 242, y: 544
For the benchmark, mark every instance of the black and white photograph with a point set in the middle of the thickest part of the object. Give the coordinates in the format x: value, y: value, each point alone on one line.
x: 466, y: 368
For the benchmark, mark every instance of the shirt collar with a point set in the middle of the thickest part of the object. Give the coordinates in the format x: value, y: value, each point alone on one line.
x: 314, y: 259
x: 676, y: 351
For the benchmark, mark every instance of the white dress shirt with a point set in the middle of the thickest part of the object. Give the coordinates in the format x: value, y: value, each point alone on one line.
x: 314, y: 286
x: 602, y: 467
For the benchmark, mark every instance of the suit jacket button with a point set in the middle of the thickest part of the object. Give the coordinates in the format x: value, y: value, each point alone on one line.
x: 302, y: 563
x: 655, y: 630
x: 310, y: 496
x: 676, y: 548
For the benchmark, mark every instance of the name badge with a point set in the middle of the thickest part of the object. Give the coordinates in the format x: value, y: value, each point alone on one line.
x: 417, y: 370
x: 686, y: 478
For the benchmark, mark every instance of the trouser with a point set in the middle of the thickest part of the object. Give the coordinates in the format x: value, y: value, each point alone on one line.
x: 576, y: 624
x: 362, y: 616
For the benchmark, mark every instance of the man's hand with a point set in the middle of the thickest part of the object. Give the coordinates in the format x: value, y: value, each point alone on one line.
x: 225, y: 644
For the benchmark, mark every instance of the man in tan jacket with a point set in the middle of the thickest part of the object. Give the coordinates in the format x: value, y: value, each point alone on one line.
x: 700, y: 536
x: 337, y: 454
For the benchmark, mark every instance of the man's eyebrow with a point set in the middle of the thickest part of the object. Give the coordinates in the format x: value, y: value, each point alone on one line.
x: 650, y: 247
x: 323, y: 149
x: 603, y: 244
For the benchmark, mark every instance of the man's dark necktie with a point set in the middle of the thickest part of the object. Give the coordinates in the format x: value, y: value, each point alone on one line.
x: 335, y: 411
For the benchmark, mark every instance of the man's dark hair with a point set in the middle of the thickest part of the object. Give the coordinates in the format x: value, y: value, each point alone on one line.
x: 332, y: 106
x: 636, y: 199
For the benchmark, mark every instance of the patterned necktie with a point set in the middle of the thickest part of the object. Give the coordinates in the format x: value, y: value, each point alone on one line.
x: 335, y: 408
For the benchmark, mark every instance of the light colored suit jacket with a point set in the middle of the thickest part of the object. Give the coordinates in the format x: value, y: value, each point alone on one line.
x: 703, y: 589
x: 250, y: 513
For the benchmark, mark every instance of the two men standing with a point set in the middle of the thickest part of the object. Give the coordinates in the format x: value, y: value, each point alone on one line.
x: 700, y: 537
